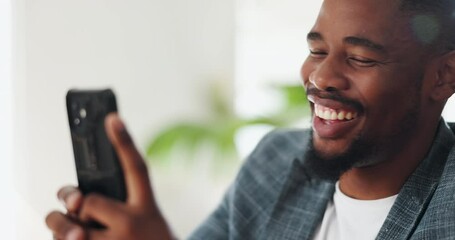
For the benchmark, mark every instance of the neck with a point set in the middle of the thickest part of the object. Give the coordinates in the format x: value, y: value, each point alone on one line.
x: 388, y: 176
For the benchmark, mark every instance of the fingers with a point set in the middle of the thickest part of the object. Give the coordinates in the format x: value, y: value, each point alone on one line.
x: 136, y: 174
x: 71, y: 198
x: 63, y: 227
x: 120, y: 221
x: 101, y: 209
x: 94, y: 234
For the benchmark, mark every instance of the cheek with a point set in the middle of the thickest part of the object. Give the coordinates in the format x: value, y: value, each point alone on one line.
x: 388, y: 101
x: 381, y: 88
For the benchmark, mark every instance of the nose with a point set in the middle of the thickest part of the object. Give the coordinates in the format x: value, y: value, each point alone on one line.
x: 328, y: 75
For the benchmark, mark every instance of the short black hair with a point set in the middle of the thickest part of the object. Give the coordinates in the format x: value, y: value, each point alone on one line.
x: 433, y: 21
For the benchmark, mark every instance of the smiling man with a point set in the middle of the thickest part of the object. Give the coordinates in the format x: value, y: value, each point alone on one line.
x: 379, y: 161
x: 377, y: 90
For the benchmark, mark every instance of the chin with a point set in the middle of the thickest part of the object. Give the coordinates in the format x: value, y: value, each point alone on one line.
x: 329, y: 159
x: 331, y: 148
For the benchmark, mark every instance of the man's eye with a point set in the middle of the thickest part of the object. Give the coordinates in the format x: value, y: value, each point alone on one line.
x: 317, y: 54
x: 363, y: 62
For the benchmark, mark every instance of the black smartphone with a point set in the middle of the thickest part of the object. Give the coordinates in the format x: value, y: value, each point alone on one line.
x: 97, y: 164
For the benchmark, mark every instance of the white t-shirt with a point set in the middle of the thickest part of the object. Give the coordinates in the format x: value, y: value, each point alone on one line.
x: 350, y: 219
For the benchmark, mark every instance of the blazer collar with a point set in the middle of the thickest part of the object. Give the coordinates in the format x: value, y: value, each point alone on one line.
x: 301, y: 204
x: 418, y: 190
x: 300, y: 207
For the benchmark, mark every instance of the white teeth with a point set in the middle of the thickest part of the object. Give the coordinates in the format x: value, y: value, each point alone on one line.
x: 321, y: 113
x: 332, y: 114
x: 326, y: 115
x: 341, y: 115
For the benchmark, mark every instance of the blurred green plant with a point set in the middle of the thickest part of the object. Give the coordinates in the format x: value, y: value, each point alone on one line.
x: 220, y: 131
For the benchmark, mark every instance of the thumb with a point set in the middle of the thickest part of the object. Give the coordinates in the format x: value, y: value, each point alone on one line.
x: 135, y: 171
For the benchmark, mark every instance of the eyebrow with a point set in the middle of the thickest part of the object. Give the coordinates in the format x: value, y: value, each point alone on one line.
x: 314, y: 36
x: 364, y: 42
x: 352, y: 40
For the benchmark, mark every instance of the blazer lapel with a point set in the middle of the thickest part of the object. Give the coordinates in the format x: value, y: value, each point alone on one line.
x: 300, y: 206
x: 418, y: 190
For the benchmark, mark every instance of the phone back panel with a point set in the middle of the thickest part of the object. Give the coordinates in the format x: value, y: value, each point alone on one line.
x: 97, y: 164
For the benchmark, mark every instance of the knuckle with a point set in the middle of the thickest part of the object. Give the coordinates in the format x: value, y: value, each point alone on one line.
x: 91, y: 200
x: 59, y: 224
x: 50, y: 218
x: 128, y: 224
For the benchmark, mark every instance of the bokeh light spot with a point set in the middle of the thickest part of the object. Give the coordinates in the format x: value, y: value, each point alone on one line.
x: 426, y: 28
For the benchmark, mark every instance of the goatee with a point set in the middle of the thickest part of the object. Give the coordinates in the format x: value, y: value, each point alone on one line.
x: 361, y: 153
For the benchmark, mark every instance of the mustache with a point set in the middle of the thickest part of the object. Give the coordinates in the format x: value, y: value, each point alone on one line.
x: 335, y: 96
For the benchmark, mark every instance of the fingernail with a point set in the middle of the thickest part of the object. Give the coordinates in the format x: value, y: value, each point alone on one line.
x: 62, y: 193
x: 118, y: 124
x: 75, y: 234
x: 62, y: 202
x: 70, y: 200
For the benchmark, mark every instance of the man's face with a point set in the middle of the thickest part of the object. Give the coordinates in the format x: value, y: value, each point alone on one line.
x: 363, y: 78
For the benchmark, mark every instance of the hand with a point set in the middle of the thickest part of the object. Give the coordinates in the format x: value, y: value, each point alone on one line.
x: 137, y: 218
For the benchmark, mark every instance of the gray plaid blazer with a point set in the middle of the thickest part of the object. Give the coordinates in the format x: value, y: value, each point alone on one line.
x: 275, y: 197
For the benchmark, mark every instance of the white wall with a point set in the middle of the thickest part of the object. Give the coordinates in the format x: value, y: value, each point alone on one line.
x: 271, y: 47
x: 159, y: 56
x: 7, y: 203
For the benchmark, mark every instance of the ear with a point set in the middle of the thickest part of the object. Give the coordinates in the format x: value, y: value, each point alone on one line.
x: 444, y: 84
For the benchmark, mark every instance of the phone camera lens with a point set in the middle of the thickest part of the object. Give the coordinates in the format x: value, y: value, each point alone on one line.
x: 83, y: 113
x: 77, y: 121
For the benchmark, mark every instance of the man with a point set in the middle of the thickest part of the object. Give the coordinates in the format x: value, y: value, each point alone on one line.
x: 379, y: 161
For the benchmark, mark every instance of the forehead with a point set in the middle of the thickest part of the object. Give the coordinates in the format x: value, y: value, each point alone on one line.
x: 379, y: 20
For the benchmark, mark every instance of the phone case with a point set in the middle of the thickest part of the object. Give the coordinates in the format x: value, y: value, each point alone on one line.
x: 97, y: 164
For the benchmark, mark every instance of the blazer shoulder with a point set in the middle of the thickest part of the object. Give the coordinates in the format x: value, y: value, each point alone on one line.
x: 269, y: 163
x: 437, y: 222
x: 280, y: 147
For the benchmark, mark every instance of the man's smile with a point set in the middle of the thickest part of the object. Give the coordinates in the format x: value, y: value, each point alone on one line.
x: 327, y: 113
x: 333, y: 119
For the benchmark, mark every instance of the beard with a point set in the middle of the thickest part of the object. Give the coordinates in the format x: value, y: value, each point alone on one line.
x: 362, y: 151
